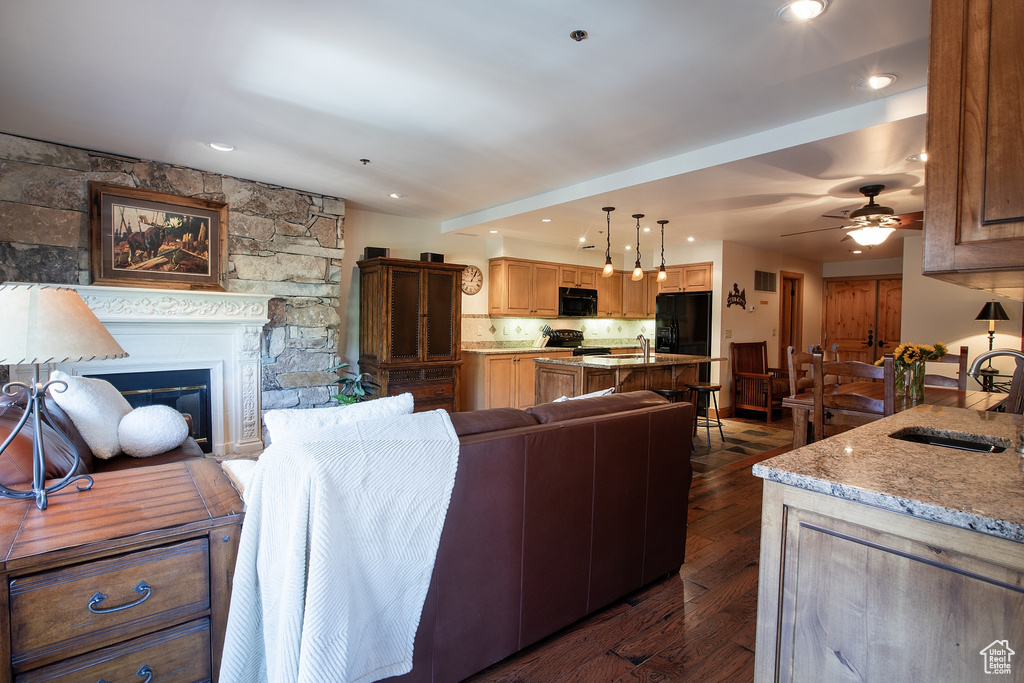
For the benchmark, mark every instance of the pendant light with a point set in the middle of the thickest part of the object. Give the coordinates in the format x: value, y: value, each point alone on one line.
x: 608, y: 267
x: 662, y: 275
x: 638, y: 272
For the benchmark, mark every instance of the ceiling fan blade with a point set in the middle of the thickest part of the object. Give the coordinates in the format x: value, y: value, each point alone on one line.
x: 911, y: 221
x: 804, y: 232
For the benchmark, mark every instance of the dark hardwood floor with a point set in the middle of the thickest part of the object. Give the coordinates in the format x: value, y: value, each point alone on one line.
x: 697, y: 626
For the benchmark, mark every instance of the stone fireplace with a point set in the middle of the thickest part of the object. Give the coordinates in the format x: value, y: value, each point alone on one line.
x: 183, y: 330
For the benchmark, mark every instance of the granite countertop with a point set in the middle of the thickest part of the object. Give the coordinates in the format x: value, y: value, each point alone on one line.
x: 528, y: 347
x: 657, y: 359
x: 977, y: 491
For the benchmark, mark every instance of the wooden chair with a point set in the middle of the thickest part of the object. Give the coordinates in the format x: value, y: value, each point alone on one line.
x: 755, y: 386
x: 960, y: 381
x: 1014, y: 401
x: 799, y: 365
x: 851, y: 409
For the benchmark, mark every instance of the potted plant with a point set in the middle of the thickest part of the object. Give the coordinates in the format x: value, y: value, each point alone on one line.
x: 353, y: 387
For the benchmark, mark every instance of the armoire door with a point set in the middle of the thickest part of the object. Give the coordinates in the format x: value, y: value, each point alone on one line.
x: 862, y: 317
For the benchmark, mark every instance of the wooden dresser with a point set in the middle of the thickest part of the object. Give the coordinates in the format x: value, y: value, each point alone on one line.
x: 129, y: 581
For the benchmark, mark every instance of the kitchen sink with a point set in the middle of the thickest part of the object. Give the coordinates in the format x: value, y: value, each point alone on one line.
x: 978, y: 443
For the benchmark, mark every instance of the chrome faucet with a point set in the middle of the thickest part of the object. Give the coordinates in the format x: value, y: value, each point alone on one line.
x: 976, y: 366
x: 645, y: 347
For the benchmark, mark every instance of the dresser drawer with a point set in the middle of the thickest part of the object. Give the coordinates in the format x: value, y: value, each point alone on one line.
x: 438, y: 390
x: 178, y: 654
x: 65, y: 612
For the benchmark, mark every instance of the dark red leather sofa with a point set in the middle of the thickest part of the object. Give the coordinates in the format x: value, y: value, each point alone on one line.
x: 556, y: 512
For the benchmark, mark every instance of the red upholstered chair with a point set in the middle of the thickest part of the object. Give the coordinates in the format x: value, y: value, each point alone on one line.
x: 755, y: 386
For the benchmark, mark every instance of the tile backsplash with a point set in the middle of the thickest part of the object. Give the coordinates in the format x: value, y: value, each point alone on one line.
x: 482, y: 331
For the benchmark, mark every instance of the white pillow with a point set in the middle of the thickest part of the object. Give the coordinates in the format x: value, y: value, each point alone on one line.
x: 599, y: 392
x: 298, y: 425
x: 151, y: 430
x: 96, y: 408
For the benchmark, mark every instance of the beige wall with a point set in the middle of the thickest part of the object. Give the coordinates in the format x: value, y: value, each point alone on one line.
x: 739, y: 263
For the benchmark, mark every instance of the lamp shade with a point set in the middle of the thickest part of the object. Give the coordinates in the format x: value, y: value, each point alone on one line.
x: 993, y: 310
x: 870, y: 236
x: 51, y: 324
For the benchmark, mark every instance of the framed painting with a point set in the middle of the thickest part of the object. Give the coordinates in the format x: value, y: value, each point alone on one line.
x: 143, y: 238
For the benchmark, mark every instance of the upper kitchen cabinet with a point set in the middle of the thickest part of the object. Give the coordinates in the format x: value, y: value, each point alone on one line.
x: 974, y: 212
x: 523, y: 288
x: 692, y: 277
x: 609, y: 295
x: 578, y: 276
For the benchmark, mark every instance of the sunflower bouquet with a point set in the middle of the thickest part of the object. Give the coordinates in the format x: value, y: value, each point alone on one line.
x: 909, y: 364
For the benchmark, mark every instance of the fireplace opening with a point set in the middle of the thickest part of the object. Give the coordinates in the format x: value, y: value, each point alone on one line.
x: 187, y: 391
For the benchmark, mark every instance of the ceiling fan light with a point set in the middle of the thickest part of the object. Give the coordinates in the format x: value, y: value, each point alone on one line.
x: 871, y: 236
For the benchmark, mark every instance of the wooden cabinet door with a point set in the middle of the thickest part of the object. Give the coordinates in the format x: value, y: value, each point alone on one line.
x: 697, y: 278
x: 441, y: 322
x: 609, y: 295
x: 975, y: 190
x: 500, y: 381
x: 850, y: 308
x: 673, y: 280
x: 653, y: 289
x: 634, y: 297
x: 519, y: 288
x: 567, y: 276
x: 526, y: 388
x: 545, y: 290
x: 588, y: 278
x: 406, y: 307
x: 577, y: 276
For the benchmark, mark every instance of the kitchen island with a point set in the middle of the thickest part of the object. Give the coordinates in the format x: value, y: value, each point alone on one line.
x: 887, y: 559
x: 578, y: 375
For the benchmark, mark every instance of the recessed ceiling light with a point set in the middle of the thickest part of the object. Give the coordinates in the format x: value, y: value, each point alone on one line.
x: 875, y: 82
x: 689, y: 239
x: 923, y: 156
x: 583, y: 239
x: 221, y: 146
x: 647, y: 229
x: 545, y: 220
x: 493, y: 232
x: 799, y: 11
x: 628, y: 247
x: 856, y: 251
x: 397, y: 195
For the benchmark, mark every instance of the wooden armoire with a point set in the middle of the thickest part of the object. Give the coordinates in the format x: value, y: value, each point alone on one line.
x: 410, y: 329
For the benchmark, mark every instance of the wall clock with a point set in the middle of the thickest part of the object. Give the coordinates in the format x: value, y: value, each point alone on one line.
x: 472, y: 280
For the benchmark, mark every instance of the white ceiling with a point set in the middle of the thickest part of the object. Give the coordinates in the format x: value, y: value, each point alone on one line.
x: 486, y: 115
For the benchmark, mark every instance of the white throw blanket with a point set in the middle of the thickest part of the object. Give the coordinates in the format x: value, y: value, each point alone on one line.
x: 337, y: 550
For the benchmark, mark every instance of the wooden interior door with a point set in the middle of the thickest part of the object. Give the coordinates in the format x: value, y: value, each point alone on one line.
x: 861, y: 313
x: 791, y: 314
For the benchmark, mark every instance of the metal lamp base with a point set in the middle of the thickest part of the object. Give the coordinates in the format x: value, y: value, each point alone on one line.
x: 36, y: 410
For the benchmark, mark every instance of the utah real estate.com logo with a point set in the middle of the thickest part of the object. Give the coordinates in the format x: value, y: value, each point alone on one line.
x: 997, y: 657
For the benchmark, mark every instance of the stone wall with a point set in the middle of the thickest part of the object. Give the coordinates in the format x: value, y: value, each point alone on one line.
x: 284, y: 243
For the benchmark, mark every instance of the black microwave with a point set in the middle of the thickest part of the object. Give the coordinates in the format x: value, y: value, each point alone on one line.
x: 576, y: 302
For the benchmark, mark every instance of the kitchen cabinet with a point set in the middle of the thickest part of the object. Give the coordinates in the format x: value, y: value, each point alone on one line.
x: 634, y: 295
x: 505, y: 380
x: 609, y: 295
x: 523, y: 288
x: 690, y: 277
x: 410, y: 329
x: 578, y: 276
x: 129, y: 579
x: 974, y: 198
x: 849, y: 587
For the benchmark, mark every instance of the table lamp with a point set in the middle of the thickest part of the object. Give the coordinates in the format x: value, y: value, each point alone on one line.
x: 47, y: 324
x: 992, y: 311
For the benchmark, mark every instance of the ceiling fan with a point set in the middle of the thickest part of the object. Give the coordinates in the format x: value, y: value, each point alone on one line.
x: 872, y: 223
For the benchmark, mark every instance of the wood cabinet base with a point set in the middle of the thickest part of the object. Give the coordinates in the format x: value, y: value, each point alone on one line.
x: 852, y: 592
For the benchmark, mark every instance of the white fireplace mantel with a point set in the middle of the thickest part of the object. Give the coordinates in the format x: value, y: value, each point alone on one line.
x: 177, y: 330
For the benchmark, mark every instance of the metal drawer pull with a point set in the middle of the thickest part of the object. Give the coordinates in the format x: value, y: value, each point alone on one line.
x: 142, y: 589
x: 145, y: 672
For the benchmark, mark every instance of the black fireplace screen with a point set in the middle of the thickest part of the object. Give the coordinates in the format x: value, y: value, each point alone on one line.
x: 187, y: 391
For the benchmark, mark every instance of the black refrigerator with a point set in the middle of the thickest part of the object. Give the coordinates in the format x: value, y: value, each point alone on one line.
x: 682, y: 324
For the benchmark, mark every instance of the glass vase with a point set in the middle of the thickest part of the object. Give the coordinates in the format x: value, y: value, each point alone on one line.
x: 910, y: 383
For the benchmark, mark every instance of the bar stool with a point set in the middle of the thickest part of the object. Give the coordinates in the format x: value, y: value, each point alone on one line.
x: 707, y: 392
x: 674, y: 395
